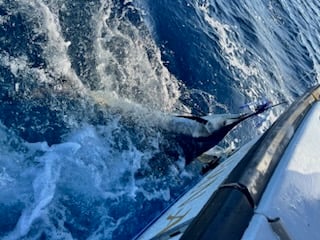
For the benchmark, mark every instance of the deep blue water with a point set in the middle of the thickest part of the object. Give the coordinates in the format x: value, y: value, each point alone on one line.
x: 83, y: 83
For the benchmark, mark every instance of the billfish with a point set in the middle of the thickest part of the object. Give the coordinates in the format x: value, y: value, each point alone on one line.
x: 196, y: 135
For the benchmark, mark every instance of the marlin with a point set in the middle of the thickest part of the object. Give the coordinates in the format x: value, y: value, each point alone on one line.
x: 196, y: 135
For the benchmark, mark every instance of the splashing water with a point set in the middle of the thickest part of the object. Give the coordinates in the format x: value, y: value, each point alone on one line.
x: 84, y: 87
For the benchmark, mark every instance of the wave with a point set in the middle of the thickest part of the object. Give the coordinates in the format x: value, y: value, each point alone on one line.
x: 84, y: 88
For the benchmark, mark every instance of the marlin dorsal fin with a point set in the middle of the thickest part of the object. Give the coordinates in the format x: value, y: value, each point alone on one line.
x: 195, y: 118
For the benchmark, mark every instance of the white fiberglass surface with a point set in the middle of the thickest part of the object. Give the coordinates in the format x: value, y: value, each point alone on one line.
x: 293, y: 194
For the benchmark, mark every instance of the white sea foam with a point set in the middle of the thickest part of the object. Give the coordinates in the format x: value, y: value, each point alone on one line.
x: 249, y: 77
x: 249, y: 69
x: 56, y: 47
x: 44, y: 185
x: 58, y: 73
x: 232, y: 50
x: 308, y: 30
x: 129, y: 63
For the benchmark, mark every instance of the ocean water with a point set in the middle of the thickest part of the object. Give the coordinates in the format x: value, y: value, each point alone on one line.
x: 83, y: 85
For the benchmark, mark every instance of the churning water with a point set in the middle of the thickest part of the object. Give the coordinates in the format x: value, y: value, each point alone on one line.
x: 84, y: 84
